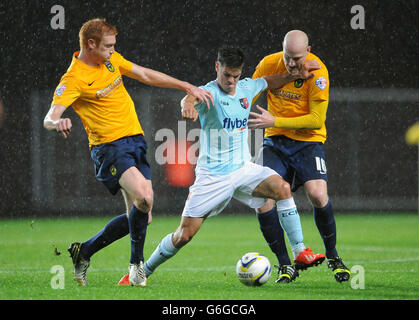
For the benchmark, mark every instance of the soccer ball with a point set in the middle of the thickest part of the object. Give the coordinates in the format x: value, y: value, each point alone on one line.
x: 253, y: 269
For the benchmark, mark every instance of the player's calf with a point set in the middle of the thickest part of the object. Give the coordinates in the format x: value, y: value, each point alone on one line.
x: 186, y: 231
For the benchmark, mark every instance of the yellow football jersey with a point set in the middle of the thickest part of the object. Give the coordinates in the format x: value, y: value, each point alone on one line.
x: 99, y: 97
x: 293, y: 99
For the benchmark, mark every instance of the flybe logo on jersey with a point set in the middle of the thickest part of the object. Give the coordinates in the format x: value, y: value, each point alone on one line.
x: 234, y: 124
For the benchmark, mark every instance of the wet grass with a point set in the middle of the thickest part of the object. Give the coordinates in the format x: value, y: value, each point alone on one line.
x: 382, y: 251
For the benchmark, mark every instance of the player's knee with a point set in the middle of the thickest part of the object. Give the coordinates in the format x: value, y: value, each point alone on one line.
x: 318, y: 198
x: 282, y: 190
x: 144, y: 201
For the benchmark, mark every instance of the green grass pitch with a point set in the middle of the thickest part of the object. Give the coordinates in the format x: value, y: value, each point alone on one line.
x: 385, y: 247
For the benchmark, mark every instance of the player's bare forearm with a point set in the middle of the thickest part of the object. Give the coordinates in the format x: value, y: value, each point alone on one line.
x: 53, y: 121
x: 278, y: 80
x: 155, y: 78
x: 188, y: 104
x: 159, y: 79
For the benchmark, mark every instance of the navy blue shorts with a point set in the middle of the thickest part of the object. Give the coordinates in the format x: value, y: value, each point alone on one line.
x: 112, y: 159
x: 295, y: 161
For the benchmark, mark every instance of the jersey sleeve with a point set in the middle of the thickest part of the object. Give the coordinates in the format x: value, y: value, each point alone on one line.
x: 66, y: 92
x: 312, y: 121
x: 265, y: 67
x: 260, y: 85
x: 125, y: 65
x: 260, y: 81
x: 319, y: 86
x: 262, y: 69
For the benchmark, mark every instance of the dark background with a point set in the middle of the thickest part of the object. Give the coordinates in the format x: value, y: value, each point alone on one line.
x: 374, y: 95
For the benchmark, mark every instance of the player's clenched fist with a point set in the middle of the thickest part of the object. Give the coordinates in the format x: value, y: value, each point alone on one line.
x: 63, y: 127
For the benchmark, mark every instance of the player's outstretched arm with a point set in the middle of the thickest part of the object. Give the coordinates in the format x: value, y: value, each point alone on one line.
x: 159, y: 79
x: 53, y: 120
x: 313, y: 120
x: 188, y: 104
x: 278, y: 80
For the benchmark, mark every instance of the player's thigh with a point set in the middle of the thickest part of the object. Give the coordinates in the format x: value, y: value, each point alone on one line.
x: 309, y: 164
x: 249, y: 182
x: 138, y: 189
x: 208, y: 196
x: 112, y: 159
x: 316, y: 191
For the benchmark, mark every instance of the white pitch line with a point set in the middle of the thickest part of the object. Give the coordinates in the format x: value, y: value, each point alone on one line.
x: 200, y: 269
x: 92, y: 269
x: 379, y: 249
x: 386, y: 261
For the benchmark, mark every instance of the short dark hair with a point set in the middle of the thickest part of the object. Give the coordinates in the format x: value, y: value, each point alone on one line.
x: 230, y: 56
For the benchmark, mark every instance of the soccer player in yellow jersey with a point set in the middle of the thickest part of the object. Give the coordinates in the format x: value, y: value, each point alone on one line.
x: 93, y: 86
x: 294, y: 136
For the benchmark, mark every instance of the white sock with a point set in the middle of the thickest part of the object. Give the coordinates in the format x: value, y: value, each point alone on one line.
x: 285, y: 204
x: 290, y: 222
x: 164, y: 251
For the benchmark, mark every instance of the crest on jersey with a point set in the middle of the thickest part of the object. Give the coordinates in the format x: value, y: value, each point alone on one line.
x: 298, y: 83
x: 244, y: 103
x: 113, y: 170
x: 60, y: 90
x: 321, y: 83
x: 110, y: 67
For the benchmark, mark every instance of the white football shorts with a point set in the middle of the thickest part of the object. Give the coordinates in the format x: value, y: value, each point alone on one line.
x: 211, y: 193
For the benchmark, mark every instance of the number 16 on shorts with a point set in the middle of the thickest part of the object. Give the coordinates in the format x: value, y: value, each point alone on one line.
x: 321, y: 165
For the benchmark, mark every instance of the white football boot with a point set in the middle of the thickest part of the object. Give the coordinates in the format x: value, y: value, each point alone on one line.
x: 137, y: 275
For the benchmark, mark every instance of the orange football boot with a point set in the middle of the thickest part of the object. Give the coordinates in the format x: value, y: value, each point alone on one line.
x: 124, y: 281
x: 307, y: 259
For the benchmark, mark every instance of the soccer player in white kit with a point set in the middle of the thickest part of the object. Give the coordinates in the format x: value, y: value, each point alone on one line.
x: 224, y: 170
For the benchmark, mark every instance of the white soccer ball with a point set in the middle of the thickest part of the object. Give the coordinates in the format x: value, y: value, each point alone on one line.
x: 253, y: 269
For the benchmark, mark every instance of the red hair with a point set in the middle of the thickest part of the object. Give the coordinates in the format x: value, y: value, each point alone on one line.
x: 95, y: 29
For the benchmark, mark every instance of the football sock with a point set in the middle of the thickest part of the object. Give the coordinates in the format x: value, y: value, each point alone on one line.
x: 138, y: 222
x: 274, y: 235
x: 290, y: 222
x: 114, y: 230
x: 326, y: 225
x: 164, y: 251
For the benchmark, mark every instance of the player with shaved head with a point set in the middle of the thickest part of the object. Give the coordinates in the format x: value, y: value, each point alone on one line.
x: 293, y: 146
